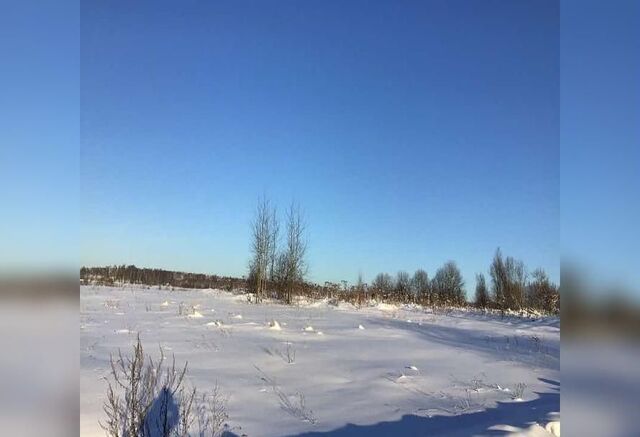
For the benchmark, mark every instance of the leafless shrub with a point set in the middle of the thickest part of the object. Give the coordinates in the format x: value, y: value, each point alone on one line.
x: 224, y: 330
x: 154, y: 400
x: 267, y: 350
x: 465, y: 404
x: 468, y: 403
x: 145, y: 398
x: 535, y: 340
x: 112, y: 304
x: 288, y: 354
x: 181, y: 308
x: 477, y: 384
x: 295, y: 405
x: 212, y: 413
x: 185, y: 309
x: 518, y: 391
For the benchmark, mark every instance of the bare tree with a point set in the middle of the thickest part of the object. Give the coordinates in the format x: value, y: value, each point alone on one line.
x: 517, y: 273
x: 542, y: 293
x: 274, y: 231
x: 264, y: 239
x: 420, y: 284
x: 361, y: 289
x: 403, y: 285
x: 508, y: 280
x: 482, y: 294
x: 448, y: 285
x: 292, y: 261
x: 499, y: 280
x: 382, y: 285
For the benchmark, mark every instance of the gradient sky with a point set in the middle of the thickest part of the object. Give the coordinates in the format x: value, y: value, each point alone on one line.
x: 410, y: 132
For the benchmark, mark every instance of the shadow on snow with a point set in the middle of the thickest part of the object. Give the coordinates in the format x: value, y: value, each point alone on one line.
x: 517, y: 414
x: 482, y: 342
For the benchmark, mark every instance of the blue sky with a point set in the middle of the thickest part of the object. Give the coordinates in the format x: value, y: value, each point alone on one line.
x: 39, y: 135
x: 410, y: 133
x: 600, y: 133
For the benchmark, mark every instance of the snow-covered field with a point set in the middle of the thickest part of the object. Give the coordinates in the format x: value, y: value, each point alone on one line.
x: 375, y: 371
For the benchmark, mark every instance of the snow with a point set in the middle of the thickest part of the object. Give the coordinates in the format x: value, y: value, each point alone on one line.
x: 386, y: 307
x: 354, y: 382
x: 274, y: 325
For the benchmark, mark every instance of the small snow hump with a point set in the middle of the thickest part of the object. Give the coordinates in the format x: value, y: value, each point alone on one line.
x: 553, y: 428
x: 308, y: 328
x: 360, y: 327
x: 275, y: 325
x: 414, y: 368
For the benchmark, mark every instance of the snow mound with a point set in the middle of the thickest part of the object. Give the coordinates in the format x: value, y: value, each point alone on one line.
x: 165, y: 303
x: 533, y: 430
x: 214, y: 323
x: 308, y: 329
x: 275, y: 325
x: 360, y: 327
x: 320, y: 333
x: 553, y: 428
x: 238, y: 316
x: 412, y: 368
x: 195, y: 315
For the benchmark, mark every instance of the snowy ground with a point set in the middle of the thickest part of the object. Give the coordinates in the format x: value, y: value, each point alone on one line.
x: 376, y: 371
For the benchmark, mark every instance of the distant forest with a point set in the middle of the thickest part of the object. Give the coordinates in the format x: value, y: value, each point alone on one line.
x: 130, y: 274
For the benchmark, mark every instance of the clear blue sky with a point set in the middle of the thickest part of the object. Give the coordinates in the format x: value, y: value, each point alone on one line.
x: 411, y: 132
x: 600, y: 134
x: 39, y: 135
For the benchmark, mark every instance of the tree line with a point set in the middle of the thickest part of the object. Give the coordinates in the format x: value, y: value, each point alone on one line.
x: 278, y: 269
x: 130, y: 274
